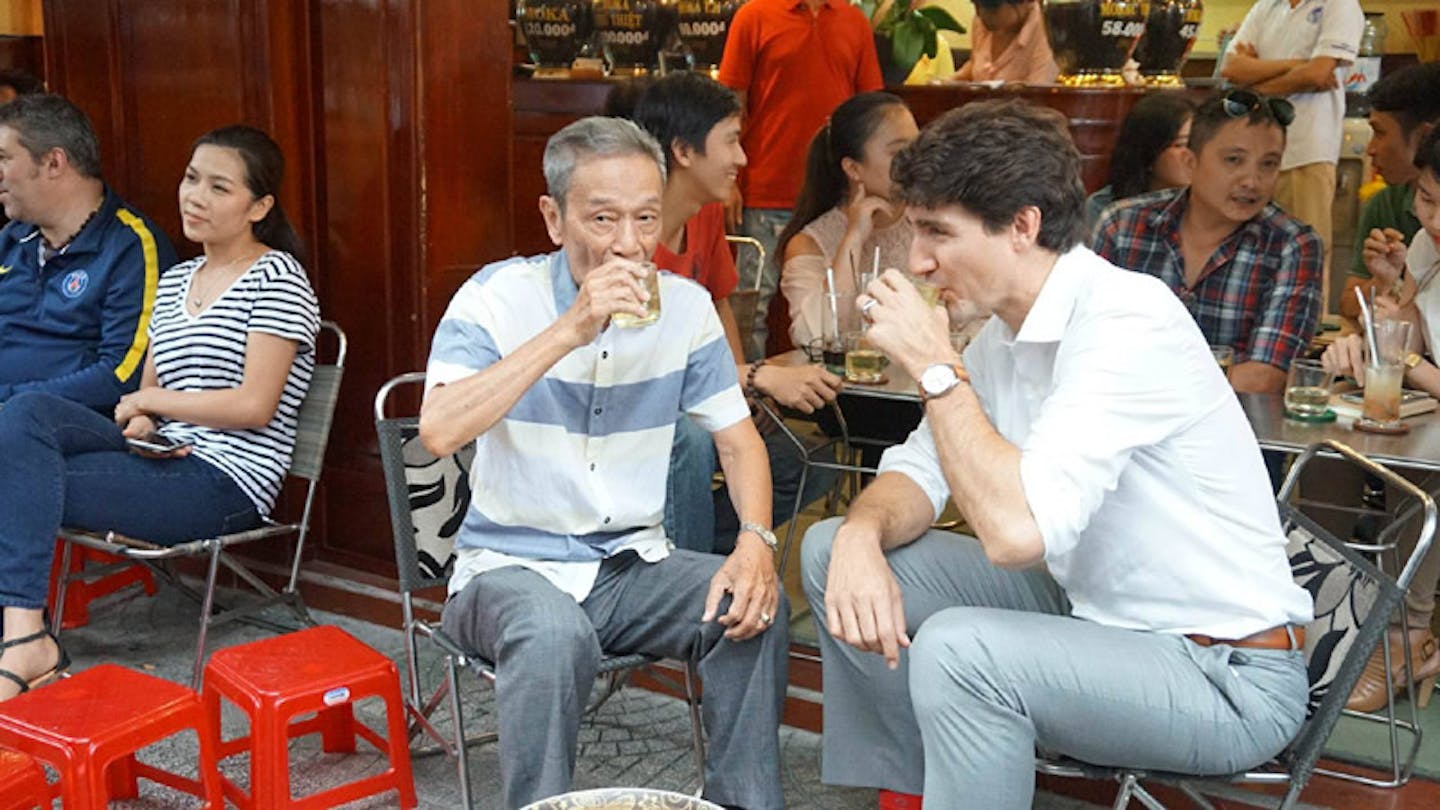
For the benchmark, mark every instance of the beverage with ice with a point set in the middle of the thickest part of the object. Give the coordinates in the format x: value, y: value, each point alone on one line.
x: 651, y: 283
x: 864, y: 365
x: 1307, y: 401
x: 1382, y: 394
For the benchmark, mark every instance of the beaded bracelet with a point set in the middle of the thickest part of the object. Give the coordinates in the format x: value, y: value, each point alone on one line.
x: 750, y: 389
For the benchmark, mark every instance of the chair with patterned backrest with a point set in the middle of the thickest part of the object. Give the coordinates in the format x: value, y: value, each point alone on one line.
x: 1354, y: 602
x: 428, y: 498
x: 312, y: 435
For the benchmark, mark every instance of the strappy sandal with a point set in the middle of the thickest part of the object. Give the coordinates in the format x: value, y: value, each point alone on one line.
x: 56, y: 672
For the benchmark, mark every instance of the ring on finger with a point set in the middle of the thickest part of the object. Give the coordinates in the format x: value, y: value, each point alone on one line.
x: 766, y: 618
x: 867, y: 306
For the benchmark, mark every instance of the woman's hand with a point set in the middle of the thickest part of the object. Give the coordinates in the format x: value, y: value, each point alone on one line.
x: 131, y: 406
x: 1384, y: 254
x: 1346, y: 358
x: 860, y: 213
x: 805, y: 388
x: 139, y: 427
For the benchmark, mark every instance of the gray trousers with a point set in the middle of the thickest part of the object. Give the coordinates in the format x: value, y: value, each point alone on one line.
x: 998, y: 668
x: 547, y: 649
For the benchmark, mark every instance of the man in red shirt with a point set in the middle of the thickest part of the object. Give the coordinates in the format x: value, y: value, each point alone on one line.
x: 791, y: 62
x: 697, y: 122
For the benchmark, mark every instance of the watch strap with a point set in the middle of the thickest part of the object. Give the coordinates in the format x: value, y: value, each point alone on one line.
x: 761, y: 532
x: 1413, y: 359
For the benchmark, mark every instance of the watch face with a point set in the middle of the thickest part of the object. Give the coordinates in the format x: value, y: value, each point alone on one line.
x: 937, y: 379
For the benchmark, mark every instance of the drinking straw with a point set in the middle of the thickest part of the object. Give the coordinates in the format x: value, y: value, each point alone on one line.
x: 833, y: 298
x: 875, y: 266
x: 1369, y: 322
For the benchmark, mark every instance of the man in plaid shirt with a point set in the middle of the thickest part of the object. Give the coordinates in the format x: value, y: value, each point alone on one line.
x: 1248, y: 272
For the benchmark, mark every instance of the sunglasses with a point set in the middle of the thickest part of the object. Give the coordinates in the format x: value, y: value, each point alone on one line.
x: 1240, y: 103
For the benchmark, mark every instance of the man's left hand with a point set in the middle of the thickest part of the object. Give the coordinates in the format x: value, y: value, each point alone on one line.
x: 908, y: 330
x: 748, y: 575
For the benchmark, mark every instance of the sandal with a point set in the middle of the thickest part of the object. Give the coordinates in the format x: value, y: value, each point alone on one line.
x: 62, y: 662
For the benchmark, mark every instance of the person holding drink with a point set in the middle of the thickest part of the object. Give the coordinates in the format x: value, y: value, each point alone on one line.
x: 1408, y: 275
x: 562, y: 554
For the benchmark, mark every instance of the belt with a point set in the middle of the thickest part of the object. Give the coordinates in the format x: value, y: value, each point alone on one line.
x: 1284, y: 637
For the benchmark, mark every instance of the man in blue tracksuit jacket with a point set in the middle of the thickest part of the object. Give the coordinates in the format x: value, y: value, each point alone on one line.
x: 78, y: 267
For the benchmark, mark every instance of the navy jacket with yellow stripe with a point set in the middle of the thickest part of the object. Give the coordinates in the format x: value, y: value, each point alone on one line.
x: 78, y: 326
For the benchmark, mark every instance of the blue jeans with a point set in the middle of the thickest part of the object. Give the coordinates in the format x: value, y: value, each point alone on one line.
x: 701, y: 519
x: 764, y: 225
x: 66, y: 465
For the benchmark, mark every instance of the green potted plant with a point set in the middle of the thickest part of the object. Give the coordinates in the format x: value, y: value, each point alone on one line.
x: 904, y: 32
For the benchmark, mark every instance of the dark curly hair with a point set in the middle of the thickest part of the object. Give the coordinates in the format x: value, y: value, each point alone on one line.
x: 993, y: 158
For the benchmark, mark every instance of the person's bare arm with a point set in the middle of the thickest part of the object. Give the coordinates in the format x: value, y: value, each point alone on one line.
x: 748, y: 574
x: 863, y: 604
x: 1313, y: 76
x: 1254, y: 377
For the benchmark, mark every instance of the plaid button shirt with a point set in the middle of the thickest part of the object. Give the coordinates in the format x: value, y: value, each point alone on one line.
x: 1258, y: 293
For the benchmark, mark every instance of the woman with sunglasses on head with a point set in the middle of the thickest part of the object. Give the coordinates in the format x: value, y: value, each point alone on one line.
x: 1408, y: 277
x: 232, y: 349
x: 1149, y: 153
x: 1248, y: 272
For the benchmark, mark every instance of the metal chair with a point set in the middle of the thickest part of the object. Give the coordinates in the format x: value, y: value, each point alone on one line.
x: 428, y: 499
x: 1354, y: 601
x: 312, y: 434
x: 743, y: 303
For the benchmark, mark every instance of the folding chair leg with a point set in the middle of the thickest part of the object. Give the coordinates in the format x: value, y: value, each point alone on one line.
x: 697, y: 727
x: 62, y: 591
x: 457, y: 718
x: 206, y: 604
x: 1194, y: 795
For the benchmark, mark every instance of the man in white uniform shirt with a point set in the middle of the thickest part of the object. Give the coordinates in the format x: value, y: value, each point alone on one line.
x: 1127, y: 598
x: 1300, y: 49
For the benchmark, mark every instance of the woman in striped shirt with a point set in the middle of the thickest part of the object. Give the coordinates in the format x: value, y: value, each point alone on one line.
x: 232, y: 348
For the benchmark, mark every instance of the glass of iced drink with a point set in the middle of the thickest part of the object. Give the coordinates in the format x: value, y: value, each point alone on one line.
x: 1384, y: 373
x: 651, y: 283
x: 863, y: 362
x: 1307, y: 390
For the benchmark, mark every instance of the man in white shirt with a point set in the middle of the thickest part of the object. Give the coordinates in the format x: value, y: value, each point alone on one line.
x: 1300, y: 49
x: 1127, y: 598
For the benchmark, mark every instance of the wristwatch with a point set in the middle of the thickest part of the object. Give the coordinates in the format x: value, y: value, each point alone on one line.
x: 940, y: 379
x: 1412, y: 360
x: 762, y: 533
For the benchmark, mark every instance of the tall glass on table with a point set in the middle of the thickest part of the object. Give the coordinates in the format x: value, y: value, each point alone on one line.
x: 1384, y: 374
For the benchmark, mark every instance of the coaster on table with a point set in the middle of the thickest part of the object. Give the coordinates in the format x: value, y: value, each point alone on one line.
x: 1366, y: 426
x: 1313, y: 419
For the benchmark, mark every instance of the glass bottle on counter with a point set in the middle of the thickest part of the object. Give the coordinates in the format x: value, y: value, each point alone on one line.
x: 1366, y: 70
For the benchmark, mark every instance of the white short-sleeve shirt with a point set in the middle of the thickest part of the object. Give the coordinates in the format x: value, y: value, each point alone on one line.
x: 1137, y: 461
x: 1314, y: 28
x: 1422, y: 261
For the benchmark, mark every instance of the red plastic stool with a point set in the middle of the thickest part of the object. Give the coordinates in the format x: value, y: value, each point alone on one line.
x: 80, y: 593
x: 22, y: 782
x: 88, y: 727
x: 321, y: 670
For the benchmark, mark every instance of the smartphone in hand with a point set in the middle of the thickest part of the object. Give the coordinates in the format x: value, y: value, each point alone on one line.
x: 157, y: 444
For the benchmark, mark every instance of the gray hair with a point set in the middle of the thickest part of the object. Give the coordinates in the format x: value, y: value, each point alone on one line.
x: 45, y: 121
x: 596, y: 136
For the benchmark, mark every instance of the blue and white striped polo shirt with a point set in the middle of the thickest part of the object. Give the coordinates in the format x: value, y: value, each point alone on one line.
x: 576, y: 471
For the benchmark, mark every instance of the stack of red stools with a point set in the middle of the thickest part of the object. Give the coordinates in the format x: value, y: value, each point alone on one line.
x: 322, y: 670
x: 89, y: 727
